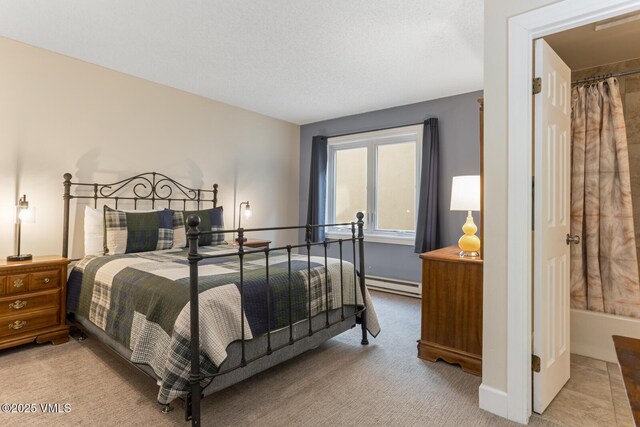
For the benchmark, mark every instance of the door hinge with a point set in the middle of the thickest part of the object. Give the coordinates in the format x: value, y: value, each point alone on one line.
x: 537, y: 85
x: 535, y: 363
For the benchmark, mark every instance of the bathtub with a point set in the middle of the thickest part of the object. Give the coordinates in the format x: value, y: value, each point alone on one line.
x: 591, y: 333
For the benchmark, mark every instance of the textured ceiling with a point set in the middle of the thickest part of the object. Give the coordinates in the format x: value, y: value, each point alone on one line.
x: 297, y: 60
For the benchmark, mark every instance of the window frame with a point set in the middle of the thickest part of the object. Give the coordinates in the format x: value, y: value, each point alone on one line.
x: 371, y: 140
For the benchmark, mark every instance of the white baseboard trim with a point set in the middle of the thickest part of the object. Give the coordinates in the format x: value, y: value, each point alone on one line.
x: 493, y: 400
x: 401, y: 287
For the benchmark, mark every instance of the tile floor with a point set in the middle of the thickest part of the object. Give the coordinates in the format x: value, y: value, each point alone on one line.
x: 594, y: 396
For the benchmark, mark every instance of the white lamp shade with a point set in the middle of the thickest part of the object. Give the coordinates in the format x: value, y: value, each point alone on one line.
x: 26, y: 215
x: 465, y: 193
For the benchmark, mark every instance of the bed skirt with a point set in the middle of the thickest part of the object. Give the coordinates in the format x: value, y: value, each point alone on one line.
x: 253, y: 348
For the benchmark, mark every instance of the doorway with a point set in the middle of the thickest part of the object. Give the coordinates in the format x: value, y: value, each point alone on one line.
x: 588, y: 199
x: 523, y: 30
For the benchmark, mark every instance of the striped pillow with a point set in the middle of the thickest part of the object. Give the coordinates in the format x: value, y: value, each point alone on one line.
x: 210, y: 220
x: 128, y: 232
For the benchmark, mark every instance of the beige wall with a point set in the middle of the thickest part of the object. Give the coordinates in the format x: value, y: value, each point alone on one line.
x: 496, y: 15
x: 63, y: 115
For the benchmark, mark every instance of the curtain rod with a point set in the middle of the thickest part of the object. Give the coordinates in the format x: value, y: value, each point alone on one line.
x: 605, y: 76
x: 376, y: 130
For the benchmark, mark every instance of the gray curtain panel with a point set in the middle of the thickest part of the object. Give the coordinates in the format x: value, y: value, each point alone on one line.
x: 427, y: 227
x: 317, y: 187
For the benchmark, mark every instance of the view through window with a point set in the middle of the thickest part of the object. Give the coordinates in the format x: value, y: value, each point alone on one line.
x: 376, y: 173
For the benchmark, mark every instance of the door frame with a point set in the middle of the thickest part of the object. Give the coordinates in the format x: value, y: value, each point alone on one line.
x: 522, y: 30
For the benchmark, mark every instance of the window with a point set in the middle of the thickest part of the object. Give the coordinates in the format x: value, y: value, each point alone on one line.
x: 376, y: 173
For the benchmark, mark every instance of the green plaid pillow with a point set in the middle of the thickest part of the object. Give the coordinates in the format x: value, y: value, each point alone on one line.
x: 128, y: 232
x: 210, y: 220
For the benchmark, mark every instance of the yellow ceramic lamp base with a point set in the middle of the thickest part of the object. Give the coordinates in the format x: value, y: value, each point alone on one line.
x: 469, y: 244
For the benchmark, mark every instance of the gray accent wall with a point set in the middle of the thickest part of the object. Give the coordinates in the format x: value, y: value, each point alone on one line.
x: 458, y: 121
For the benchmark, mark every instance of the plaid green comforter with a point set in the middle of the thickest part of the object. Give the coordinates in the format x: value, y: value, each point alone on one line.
x: 142, y: 301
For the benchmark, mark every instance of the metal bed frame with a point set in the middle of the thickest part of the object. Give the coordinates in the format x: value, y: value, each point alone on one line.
x: 157, y: 187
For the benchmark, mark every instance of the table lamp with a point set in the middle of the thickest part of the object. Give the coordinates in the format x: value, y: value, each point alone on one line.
x: 247, y: 213
x: 465, y: 196
x: 24, y: 213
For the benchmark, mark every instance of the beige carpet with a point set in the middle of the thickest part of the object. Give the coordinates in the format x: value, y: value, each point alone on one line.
x: 339, y: 384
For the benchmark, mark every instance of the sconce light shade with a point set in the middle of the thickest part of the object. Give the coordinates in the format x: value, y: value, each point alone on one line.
x: 24, y: 213
x: 247, y: 214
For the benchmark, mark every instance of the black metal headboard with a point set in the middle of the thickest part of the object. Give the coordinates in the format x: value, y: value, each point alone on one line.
x: 151, y: 186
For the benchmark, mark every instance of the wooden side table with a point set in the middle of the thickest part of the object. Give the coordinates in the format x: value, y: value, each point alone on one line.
x: 452, y: 309
x: 32, y: 301
x: 628, y: 352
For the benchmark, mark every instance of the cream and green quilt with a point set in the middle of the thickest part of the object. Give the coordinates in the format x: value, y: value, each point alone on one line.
x: 141, y: 300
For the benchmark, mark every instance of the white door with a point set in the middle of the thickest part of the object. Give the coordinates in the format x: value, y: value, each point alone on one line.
x: 552, y: 133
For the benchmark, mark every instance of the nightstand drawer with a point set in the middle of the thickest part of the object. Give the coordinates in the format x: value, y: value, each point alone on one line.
x: 3, y: 283
x: 17, y: 283
x: 19, y: 323
x: 30, y: 302
x: 44, y: 280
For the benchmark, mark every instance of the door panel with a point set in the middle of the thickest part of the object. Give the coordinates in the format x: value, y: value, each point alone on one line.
x: 552, y: 127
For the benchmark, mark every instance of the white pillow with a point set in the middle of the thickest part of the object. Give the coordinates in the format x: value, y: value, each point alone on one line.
x: 94, y: 229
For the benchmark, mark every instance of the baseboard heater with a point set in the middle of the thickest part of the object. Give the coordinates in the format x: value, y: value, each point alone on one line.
x: 402, y: 287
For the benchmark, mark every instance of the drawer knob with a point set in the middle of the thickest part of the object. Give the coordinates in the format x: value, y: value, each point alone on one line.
x: 18, y: 324
x: 18, y: 283
x: 46, y: 280
x: 17, y: 305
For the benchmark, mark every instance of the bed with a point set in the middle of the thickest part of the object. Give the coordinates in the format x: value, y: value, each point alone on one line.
x: 194, y: 313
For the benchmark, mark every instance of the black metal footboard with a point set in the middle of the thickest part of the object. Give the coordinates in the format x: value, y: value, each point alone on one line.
x: 192, y: 403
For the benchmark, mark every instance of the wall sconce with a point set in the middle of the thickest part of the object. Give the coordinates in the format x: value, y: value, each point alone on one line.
x: 247, y: 213
x: 24, y: 213
x: 465, y: 196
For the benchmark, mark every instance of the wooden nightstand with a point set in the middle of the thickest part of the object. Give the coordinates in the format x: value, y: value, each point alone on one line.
x: 254, y: 243
x: 32, y: 301
x: 452, y: 309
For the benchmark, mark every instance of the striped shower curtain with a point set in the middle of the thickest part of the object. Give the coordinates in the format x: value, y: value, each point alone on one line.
x: 604, y: 266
